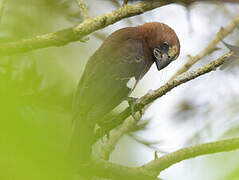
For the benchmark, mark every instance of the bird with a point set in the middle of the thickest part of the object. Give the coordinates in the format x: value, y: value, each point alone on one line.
x: 112, y: 73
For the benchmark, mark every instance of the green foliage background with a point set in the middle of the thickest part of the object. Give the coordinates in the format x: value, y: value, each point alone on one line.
x: 35, y: 93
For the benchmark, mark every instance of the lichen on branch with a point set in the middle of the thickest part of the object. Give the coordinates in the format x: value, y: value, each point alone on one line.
x: 77, y: 32
x: 211, y: 46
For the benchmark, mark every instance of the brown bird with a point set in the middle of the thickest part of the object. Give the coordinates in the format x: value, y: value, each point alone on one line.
x: 112, y: 73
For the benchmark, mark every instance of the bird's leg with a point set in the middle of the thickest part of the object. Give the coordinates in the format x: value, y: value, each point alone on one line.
x: 132, y: 101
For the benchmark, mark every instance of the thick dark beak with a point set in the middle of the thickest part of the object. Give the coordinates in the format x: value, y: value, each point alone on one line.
x: 161, y: 59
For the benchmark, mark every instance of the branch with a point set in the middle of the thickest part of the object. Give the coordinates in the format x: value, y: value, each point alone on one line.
x: 151, y: 170
x: 221, y: 34
x: 110, y: 170
x: 168, y: 160
x: 83, y: 9
x: 108, y: 146
x: 152, y: 96
x: 77, y: 32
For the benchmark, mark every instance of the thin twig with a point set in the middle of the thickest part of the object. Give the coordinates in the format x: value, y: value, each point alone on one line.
x: 221, y: 34
x: 77, y: 32
x: 83, y: 9
x: 168, y: 160
x: 153, y: 95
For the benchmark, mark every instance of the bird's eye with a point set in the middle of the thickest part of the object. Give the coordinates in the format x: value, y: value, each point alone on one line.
x: 165, y: 46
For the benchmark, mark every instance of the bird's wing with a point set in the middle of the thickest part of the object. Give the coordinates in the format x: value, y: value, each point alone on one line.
x: 103, y: 85
x: 109, y: 76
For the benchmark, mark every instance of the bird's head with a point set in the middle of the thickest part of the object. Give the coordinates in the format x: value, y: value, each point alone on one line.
x: 163, y: 43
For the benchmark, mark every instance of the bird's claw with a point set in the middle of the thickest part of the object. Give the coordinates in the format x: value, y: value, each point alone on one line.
x: 132, y: 102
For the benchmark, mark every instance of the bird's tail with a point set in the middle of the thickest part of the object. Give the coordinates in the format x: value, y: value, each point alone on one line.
x: 81, y: 142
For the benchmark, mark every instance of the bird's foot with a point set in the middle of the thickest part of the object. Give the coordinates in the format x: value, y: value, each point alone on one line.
x: 132, y: 102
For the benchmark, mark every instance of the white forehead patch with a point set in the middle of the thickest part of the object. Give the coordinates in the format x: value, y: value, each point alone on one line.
x: 131, y: 83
